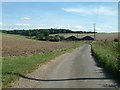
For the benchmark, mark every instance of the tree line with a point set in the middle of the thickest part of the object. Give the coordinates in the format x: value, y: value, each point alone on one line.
x: 35, y: 32
x: 43, y: 34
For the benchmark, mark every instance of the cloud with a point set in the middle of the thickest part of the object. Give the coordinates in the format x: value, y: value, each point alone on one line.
x: 67, y: 26
x: 98, y: 29
x: 106, y: 26
x: 15, y: 26
x: 26, y: 18
x: 102, y: 28
x: 22, y: 25
x: 101, y: 10
x: 1, y: 25
x: 78, y: 28
x: 73, y: 27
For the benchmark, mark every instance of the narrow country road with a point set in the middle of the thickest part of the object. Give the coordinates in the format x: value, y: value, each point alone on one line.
x: 76, y: 69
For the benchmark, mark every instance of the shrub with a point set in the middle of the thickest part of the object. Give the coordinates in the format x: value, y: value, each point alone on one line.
x: 62, y: 37
x: 57, y: 38
x: 116, y: 40
x: 105, y: 40
x: 40, y: 36
x: 47, y: 38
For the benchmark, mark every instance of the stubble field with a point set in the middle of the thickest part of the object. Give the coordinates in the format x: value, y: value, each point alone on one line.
x: 13, y: 45
x: 22, y: 55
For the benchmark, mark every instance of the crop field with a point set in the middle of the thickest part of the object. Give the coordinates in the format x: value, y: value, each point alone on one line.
x: 99, y: 36
x: 106, y: 36
x: 14, y: 45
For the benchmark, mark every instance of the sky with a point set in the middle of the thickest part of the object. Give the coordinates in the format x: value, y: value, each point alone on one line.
x: 76, y: 16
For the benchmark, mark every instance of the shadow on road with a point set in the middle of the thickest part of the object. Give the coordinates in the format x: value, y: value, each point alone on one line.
x: 67, y: 79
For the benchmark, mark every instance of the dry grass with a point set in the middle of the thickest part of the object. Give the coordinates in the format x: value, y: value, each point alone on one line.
x: 13, y: 45
x: 106, y: 36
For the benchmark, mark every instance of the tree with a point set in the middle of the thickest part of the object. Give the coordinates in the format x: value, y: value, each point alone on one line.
x: 45, y: 32
x: 62, y: 37
x: 57, y: 38
x: 47, y: 38
x: 40, y: 36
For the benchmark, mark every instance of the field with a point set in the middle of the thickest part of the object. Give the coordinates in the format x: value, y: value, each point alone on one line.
x: 99, y: 36
x: 14, y: 45
x: 107, y: 53
x: 22, y: 56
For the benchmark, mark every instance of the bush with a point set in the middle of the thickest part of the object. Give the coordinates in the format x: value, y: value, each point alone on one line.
x: 105, y: 40
x: 116, y: 40
x: 39, y: 36
x: 62, y: 37
x: 57, y: 38
x: 47, y: 38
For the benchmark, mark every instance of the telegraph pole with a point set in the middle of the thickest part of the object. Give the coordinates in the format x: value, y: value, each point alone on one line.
x: 94, y: 31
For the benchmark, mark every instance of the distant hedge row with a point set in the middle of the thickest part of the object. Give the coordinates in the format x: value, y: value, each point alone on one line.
x: 49, y: 38
x: 35, y: 32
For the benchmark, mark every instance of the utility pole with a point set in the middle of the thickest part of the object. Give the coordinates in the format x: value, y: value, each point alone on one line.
x: 94, y: 31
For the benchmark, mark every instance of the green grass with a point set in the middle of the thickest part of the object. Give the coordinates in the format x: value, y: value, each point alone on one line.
x: 26, y: 64
x: 21, y: 37
x: 13, y: 35
x: 107, y: 53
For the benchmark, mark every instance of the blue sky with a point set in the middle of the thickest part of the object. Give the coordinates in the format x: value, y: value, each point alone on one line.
x: 77, y: 16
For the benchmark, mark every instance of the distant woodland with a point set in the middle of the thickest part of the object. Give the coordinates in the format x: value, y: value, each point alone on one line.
x: 44, y: 34
x: 35, y: 32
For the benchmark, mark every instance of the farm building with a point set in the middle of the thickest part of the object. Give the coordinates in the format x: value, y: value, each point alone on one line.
x: 72, y: 38
x: 87, y: 38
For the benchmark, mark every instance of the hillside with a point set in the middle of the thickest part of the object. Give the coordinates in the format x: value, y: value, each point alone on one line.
x: 15, y: 45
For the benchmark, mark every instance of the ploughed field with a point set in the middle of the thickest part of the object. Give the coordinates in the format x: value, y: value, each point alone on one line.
x: 14, y: 45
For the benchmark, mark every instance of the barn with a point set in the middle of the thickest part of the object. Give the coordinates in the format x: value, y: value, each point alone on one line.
x: 72, y: 38
x: 87, y: 38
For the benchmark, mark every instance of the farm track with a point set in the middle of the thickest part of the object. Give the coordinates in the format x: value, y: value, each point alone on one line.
x: 77, y: 69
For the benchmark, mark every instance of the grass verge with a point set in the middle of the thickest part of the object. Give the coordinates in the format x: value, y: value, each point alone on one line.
x: 107, y: 53
x: 26, y: 64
